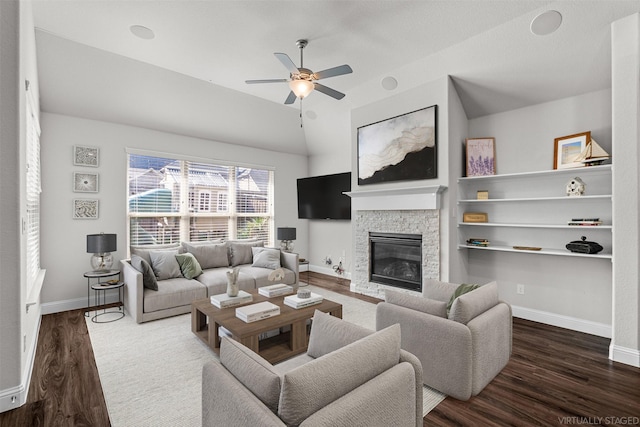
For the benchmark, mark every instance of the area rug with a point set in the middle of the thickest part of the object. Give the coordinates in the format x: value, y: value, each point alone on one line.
x: 151, y: 373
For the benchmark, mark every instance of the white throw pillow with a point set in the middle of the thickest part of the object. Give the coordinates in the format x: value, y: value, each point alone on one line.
x: 164, y: 264
x: 266, y: 257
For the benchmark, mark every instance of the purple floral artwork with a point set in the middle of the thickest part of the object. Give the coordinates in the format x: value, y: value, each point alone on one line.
x: 480, y: 157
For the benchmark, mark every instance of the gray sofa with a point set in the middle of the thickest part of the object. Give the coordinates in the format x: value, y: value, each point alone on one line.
x: 462, y: 351
x: 172, y: 293
x: 350, y: 376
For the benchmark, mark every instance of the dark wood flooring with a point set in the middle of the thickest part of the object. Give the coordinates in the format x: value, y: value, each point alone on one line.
x: 555, y: 377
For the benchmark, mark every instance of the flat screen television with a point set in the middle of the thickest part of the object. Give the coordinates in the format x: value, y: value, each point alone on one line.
x: 320, y: 197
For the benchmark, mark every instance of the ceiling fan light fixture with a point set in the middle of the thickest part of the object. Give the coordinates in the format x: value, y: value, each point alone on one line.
x: 301, y: 88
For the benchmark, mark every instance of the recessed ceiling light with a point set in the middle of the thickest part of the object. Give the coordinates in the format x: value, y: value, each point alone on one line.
x: 311, y: 114
x: 389, y: 83
x: 546, y: 23
x: 142, y: 32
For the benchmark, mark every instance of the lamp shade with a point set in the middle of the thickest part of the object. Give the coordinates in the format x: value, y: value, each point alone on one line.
x: 286, y: 233
x: 101, y: 243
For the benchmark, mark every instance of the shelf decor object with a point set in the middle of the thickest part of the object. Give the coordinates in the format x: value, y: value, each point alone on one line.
x: 85, y: 182
x: 481, y: 156
x: 475, y: 217
x: 86, y: 156
x: 566, y: 150
x: 575, y: 187
x: 593, y: 154
x: 399, y: 149
x: 85, y: 209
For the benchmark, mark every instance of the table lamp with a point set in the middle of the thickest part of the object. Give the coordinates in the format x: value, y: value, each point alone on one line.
x: 101, y: 245
x: 286, y: 235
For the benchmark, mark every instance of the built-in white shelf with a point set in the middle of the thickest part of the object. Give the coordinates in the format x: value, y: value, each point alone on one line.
x: 539, y: 199
x: 555, y: 172
x: 585, y: 228
x: 543, y: 251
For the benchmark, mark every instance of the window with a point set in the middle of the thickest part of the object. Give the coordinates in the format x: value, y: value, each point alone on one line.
x: 172, y: 200
x: 31, y: 225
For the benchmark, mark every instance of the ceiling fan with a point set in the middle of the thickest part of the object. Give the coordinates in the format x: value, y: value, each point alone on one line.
x: 302, y: 81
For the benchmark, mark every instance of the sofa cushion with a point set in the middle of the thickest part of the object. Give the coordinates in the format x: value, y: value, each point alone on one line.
x: 307, y: 389
x: 266, y: 257
x: 143, y: 250
x: 260, y: 275
x: 165, y: 265
x: 148, y: 276
x: 189, y: 265
x: 437, y: 290
x: 329, y: 333
x: 418, y: 303
x: 471, y: 304
x: 215, y: 280
x: 240, y: 251
x: 252, y: 371
x: 172, y: 293
x: 460, y: 290
x: 209, y: 255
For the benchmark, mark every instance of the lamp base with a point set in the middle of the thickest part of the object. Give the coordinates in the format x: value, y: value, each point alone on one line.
x: 102, y: 262
x: 286, y: 245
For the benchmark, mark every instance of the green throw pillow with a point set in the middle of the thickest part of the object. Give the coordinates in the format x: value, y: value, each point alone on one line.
x: 460, y: 290
x: 189, y: 265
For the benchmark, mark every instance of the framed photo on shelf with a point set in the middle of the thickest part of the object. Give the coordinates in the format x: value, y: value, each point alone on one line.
x: 86, y: 156
x: 85, y: 182
x: 567, y: 148
x: 85, y: 209
x: 481, y: 156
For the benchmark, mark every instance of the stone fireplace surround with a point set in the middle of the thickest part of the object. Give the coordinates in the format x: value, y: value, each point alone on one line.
x: 411, y: 211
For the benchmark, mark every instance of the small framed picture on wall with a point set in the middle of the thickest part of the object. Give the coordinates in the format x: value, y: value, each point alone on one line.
x: 85, y: 182
x: 481, y: 156
x: 85, y: 209
x: 567, y: 148
x: 86, y: 156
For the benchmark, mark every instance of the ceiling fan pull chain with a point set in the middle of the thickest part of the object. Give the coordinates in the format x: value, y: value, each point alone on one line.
x: 301, y: 113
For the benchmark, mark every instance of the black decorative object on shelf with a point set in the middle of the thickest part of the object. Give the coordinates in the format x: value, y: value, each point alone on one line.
x: 584, y: 247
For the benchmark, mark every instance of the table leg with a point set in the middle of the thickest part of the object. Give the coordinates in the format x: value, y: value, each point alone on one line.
x: 252, y: 342
x: 298, y: 336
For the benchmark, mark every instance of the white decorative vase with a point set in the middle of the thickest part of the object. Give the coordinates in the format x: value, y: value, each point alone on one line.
x: 232, y: 283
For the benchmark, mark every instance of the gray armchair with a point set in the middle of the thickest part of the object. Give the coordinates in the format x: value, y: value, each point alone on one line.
x: 350, y: 376
x: 461, y: 352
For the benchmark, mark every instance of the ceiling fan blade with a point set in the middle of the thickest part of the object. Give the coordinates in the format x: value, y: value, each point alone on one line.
x: 287, y: 62
x: 291, y: 98
x: 332, y: 72
x: 250, y: 82
x: 328, y: 91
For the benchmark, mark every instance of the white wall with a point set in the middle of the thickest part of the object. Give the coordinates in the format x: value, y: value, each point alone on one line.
x: 625, y: 346
x: 18, y: 327
x: 64, y: 239
x: 570, y: 292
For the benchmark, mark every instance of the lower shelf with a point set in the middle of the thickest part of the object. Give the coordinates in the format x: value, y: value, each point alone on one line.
x: 544, y: 251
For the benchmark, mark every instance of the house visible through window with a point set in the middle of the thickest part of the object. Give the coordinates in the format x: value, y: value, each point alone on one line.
x: 172, y: 200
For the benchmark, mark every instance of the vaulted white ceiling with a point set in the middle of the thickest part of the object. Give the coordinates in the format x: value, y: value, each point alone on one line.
x: 189, y: 79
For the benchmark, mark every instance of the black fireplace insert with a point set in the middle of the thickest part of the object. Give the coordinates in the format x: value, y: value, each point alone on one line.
x: 396, y: 260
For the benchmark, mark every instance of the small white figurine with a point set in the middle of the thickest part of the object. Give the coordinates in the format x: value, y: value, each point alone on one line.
x: 575, y: 187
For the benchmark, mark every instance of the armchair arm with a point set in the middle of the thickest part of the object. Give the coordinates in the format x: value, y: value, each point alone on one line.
x: 289, y: 260
x: 444, y: 347
x: 405, y: 356
x: 226, y: 402
x: 133, y: 290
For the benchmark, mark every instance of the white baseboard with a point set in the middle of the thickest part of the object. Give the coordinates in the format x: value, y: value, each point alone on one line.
x: 14, y: 397
x: 575, y: 324
x: 628, y: 356
x: 329, y: 272
x: 74, y: 304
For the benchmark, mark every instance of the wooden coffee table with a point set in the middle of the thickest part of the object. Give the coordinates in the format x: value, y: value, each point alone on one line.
x: 206, y: 320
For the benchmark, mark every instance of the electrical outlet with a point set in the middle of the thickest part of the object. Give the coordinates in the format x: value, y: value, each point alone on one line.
x: 520, y: 289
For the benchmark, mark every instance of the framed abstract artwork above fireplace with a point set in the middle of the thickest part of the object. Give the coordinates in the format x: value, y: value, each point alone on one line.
x: 401, y: 148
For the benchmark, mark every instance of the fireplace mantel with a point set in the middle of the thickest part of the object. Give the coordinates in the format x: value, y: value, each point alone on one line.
x: 413, y: 198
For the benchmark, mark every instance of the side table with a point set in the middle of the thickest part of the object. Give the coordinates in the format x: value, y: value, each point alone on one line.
x: 100, y: 288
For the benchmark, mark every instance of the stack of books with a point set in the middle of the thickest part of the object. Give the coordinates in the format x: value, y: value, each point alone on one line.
x: 478, y: 242
x: 225, y: 301
x: 255, y: 312
x: 295, y: 301
x: 584, y: 221
x: 275, y: 290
